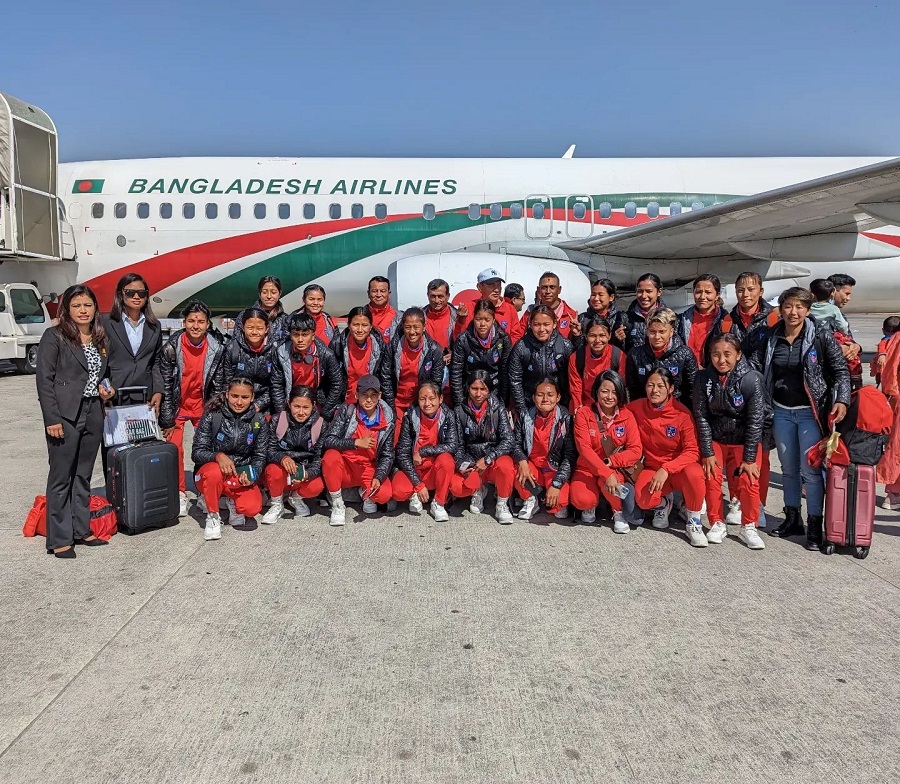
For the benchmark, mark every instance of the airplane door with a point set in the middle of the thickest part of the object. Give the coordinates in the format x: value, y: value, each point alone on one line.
x: 538, y: 217
x: 579, y: 216
x: 66, y: 236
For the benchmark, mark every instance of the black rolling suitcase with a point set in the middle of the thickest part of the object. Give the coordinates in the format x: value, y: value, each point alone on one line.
x: 142, y: 484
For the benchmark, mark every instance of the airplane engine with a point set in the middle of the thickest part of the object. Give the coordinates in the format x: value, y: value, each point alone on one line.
x: 410, y: 276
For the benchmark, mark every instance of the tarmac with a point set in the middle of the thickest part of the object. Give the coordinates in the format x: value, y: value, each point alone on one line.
x: 401, y: 650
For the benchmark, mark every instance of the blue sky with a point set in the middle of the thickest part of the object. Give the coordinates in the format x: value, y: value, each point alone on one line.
x: 143, y: 79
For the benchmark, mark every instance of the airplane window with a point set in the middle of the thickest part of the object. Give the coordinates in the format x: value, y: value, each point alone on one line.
x: 605, y: 210
x: 579, y: 211
x: 675, y: 208
x: 234, y: 210
x: 697, y: 205
x: 188, y: 211
x: 165, y: 210
x: 259, y: 211
x: 630, y: 209
x: 474, y: 211
x: 496, y: 211
x: 97, y: 210
x: 356, y: 211
x: 212, y: 210
x: 143, y: 210
x: 381, y: 211
x: 653, y: 209
x: 428, y: 212
x: 120, y: 210
x: 309, y: 211
x: 537, y: 211
x: 334, y: 211
x: 515, y: 210
x: 284, y: 211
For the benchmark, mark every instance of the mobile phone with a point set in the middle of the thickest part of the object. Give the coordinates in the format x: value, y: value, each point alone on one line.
x: 106, y: 386
x: 466, y: 466
x: 300, y: 474
x: 532, y: 487
x: 248, y: 470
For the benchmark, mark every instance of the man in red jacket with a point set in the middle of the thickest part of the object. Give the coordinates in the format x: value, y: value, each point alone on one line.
x: 549, y: 289
x: 490, y: 286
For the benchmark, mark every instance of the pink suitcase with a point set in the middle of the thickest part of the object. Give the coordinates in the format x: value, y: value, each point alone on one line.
x: 849, y: 508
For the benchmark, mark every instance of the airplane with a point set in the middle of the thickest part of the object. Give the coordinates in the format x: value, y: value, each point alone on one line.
x: 209, y: 228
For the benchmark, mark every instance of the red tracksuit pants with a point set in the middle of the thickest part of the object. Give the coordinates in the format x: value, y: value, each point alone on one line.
x: 211, y: 483
x: 435, y: 473
x: 745, y: 489
x: 340, y: 473
x: 587, y: 489
x: 545, y: 479
x: 277, y: 481
x: 501, y: 474
x: 690, y: 482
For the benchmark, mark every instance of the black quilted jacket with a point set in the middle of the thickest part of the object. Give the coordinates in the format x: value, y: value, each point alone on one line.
x: 448, y: 440
x: 340, y: 436
x: 329, y: 389
x: 431, y: 365
x: 636, y: 325
x: 562, y: 455
x: 531, y: 361
x: 244, y: 438
x: 614, y: 316
x: 171, y: 364
x: 490, y: 438
x: 678, y: 359
x: 469, y: 355
x: 239, y: 359
x: 297, y: 443
x: 340, y: 348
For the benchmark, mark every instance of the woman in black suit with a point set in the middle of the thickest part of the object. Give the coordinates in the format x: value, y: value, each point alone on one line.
x: 72, y: 359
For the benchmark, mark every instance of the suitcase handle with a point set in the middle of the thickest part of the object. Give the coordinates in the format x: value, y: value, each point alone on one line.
x: 128, y: 390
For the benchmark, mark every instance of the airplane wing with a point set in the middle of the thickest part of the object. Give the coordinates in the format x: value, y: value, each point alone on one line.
x: 843, y: 204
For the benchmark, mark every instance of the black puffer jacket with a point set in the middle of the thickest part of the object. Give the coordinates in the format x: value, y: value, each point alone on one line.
x: 330, y: 386
x: 735, y: 413
x: 752, y: 336
x: 615, y: 317
x: 686, y: 323
x: 431, y: 365
x: 244, y: 438
x: 240, y: 360
x: 636, y: 325
x: 469, y: 355
x: 297, y: 442
x: 171, y: 364
x: 448, y: 440
x: 531, y: 361
x: 278, y: 331
x: 678, y: 359
x: 561, y: 456
x: 825, y: 373
x: 340, y: 347
x: 340, y: 436
x: 491, y: 438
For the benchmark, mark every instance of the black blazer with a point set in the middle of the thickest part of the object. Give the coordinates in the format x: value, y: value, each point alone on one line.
x: 62, y: 372
x: 134, y: 370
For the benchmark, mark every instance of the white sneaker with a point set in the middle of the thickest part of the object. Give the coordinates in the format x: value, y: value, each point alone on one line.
x: 298, y: 505
x: 502, y: 513
x: 694, y: 531
x: 338, y: 510
x: 750, y: 537
x: 762, y: 521
x: 528, y: 508
x: 233, y: 517
x: 620, y: 524
x: 476, y: 505
x: 182, y: 505
x: 892, y: 502
x: 415, y: 504
x: 733, y: 516
x: 201, y: 504
x: 369, y: 506
x: 704, y: 518
x: 717, y: 533
x: 661, y: 513
x: 276, y: 509
x: 213, y: 528
x: 439, y: 513
x: 589, y: 516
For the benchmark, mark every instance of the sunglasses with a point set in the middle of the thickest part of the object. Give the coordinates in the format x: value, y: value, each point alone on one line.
x: 142, y: 293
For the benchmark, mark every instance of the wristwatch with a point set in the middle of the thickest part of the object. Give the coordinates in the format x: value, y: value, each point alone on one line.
x: 488, y: 461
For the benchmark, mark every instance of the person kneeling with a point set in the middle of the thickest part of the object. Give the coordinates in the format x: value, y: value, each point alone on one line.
x: 295, y: 455
x: 428, y: 442
x: 359, y: 450
x: 545, y: 453
x: 230, y: 450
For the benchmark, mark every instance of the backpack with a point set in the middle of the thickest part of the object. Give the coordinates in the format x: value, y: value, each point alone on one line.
x: 282, y: 427
x: 866, y: 428
x: 581, y: 358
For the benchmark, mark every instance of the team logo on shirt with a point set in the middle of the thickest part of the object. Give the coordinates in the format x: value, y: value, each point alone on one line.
x: 738, y: 400
x: 564, y: 323
x: 241, y: 366
x: 250, y: 437
x: 505, y: 325
x: 671, y: 431
x: 673, y: 369
x: 813, y: 356
x: 642, y: 371
x: 552, y: 364
x: 428, y: 366
x: 283, y: 444
x: 495, y: 356
x: 619, y: 431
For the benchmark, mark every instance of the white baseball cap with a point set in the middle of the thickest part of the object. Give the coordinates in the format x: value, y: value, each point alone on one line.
x: 489, y: 274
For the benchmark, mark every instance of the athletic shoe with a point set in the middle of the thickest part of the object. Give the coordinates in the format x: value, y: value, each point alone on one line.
x: 415, y: 504
x: 717, y: 533
x: 750, y: 537
x: 201, y: 505
x: 704, y: 518
x: 762, y: 521
x: 299, y: 505
x: 528, y: 508
x: 502, y: 513
x: 338, y: 510
x: 182, y: 504
x: 661, y: 513
x: 733, y: 516
x: 213, y: 528
x: 369, y: 506
x: 892, y: 502
x: 234, y: 519
x: 693, y: 529
x: 276, y: 509
x: 620, y: 524
x: 439, y: 513
x: 391, y: 505
x: 589, y: 516
x: 562, y: 514
x: 476, y: 505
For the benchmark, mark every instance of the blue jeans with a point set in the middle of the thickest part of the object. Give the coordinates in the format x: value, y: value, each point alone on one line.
x: 796, y: 431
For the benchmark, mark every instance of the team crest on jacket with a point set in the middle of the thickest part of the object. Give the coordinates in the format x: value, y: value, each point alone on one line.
x: 642, y: 371
x: 428, y: 366
x: 564, y: 323
x: 671, y: 431
x: 240, y: 366
x: 495, y: 356
x: 619, y: 431
x: 738, y: 400
x: 673, y: 369
x: 813, y: 356
x: 250, y: 437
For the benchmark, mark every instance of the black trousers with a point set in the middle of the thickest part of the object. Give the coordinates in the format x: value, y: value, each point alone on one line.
x: 69, y: 481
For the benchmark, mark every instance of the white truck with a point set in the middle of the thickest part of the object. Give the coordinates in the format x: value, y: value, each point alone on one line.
x: 23, y: 319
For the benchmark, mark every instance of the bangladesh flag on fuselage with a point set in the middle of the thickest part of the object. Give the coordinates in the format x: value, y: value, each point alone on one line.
x: 88, y: 186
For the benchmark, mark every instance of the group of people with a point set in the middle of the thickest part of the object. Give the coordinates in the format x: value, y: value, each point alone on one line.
x: 637, y: 407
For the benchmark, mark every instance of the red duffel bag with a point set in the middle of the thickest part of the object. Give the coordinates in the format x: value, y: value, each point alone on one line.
x: 103, y: 518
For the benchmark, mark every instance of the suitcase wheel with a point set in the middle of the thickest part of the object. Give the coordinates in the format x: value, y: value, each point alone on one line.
x: 828, y: 548
x: 861, y: 552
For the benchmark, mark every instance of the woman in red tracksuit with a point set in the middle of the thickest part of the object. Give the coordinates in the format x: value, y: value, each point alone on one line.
x: 425, y: 454
x: 608, y: 442
x: 671, y: 456
x: 595, y: 354
x: 358, y: 352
